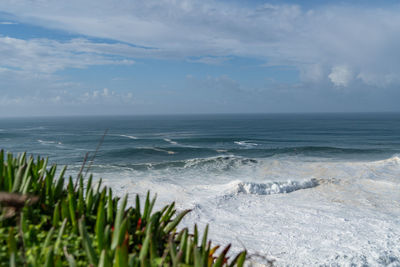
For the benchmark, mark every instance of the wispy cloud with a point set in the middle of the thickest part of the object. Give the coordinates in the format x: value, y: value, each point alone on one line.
x: 315, y: 41
x: 48, y: 56
x: 7, y: 23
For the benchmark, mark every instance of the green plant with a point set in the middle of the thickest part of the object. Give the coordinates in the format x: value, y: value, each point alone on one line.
x: 46, y: 221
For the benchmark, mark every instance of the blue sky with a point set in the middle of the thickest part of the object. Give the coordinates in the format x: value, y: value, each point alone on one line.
x: 168, y: 56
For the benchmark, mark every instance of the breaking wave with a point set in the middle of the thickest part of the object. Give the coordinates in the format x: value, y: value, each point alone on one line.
x: 273, y: 187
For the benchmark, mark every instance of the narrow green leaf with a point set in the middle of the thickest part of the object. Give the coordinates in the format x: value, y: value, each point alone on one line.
x: 146, y: 206
x: 49, y: 258
x: 10, y: 172
x: 220, y: 259
x: 99, y: 185
x: 11, y: 242
x: 197, y: 257
x: 18, y: 178
x: 87, y: 243
x: 72, y: 210
x: 42, y: 171
x: 153, y: 201
x: 168, y: 215
x: 121, y: 257
x: 64, y: 209
x: 56, y: 214
x: 1, y: 169
x: 100, y: 223
x: 184, y: 241
x: 239, y: 259
x: 89, y: 184
x: 23, y: 222
x: 25, y: 188
x: 195, y: 235
x: 146, y: 244
x: 59, y: 237
x: 22, y: 159
x: 104, y: 260
x: 204, y: 241
x: 118, y: 222
x: 13, y: 261
x: 170, y: 226
x: 110, y: 208
x: 189, y: 250
x: 107, y: 237
x: 122, y: 231
x: 70, y: 258
x: 89, y: 202
x: 133, y: 261
x: 47, y: 241
x: 26, y: 176
x: 137, y: 208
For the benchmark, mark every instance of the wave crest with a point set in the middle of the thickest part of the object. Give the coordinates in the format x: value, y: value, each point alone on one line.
x: 273, y: 187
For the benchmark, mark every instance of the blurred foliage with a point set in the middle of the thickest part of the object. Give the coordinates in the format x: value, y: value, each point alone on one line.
x: 49, y: 221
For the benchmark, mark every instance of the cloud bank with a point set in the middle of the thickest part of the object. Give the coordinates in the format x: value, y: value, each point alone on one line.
x: 316, y: 41
x: 334, y: 48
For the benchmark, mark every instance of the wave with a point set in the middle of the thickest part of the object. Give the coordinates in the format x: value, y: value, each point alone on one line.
x: 394, y: 160
x: 31, y: 128
x: 170, y: 141
x: 128, y: 136
x: 222, y: 162
x: 245, y: 143
x: 204, y: 165
x: 49, y: 142
x: 160, y: 150
x: 272, y: 187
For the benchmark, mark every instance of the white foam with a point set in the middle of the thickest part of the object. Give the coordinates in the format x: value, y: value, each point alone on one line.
x: 350, y: 218
x: 245, y: 143
x: 128, y: 136
x: 170, y: 141
x: 46, y: 142
x: 273, y: 187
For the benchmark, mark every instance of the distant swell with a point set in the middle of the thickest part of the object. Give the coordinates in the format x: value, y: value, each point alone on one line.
x: 48, y: 142
x: 273, y: 187
x: 219, y: 163
x: 128, y: 136
x: 170, y: 141
x: 246, y: 143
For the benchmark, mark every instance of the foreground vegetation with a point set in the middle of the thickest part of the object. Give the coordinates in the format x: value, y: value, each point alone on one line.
x: 49, y: 221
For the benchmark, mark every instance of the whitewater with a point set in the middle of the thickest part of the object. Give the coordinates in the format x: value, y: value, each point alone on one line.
x: 295, y: 190
x: 289, y: 211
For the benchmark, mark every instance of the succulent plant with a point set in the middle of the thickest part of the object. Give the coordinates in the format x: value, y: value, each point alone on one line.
x: 52, y: 221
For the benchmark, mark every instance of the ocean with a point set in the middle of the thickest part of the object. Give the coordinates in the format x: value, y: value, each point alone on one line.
x: 297, y: 189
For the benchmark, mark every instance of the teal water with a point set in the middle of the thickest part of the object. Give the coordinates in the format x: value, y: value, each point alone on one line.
x: 172, y: 139
x: 314, y: 189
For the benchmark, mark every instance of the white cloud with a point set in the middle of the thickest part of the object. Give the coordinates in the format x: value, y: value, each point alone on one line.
x: 210, y: 60
x: 340, y: 76
x: 105, y: 92
x: 48, y: 56
x: 105, y: 96
x: 315, y: 41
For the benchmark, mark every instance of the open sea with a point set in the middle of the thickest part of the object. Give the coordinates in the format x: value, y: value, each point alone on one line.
x: 297, y: 189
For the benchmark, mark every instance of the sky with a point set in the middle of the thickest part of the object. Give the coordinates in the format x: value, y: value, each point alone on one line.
x: 111, y: 57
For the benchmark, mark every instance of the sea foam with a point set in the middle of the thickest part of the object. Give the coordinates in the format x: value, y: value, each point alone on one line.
x: 273, y: 187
